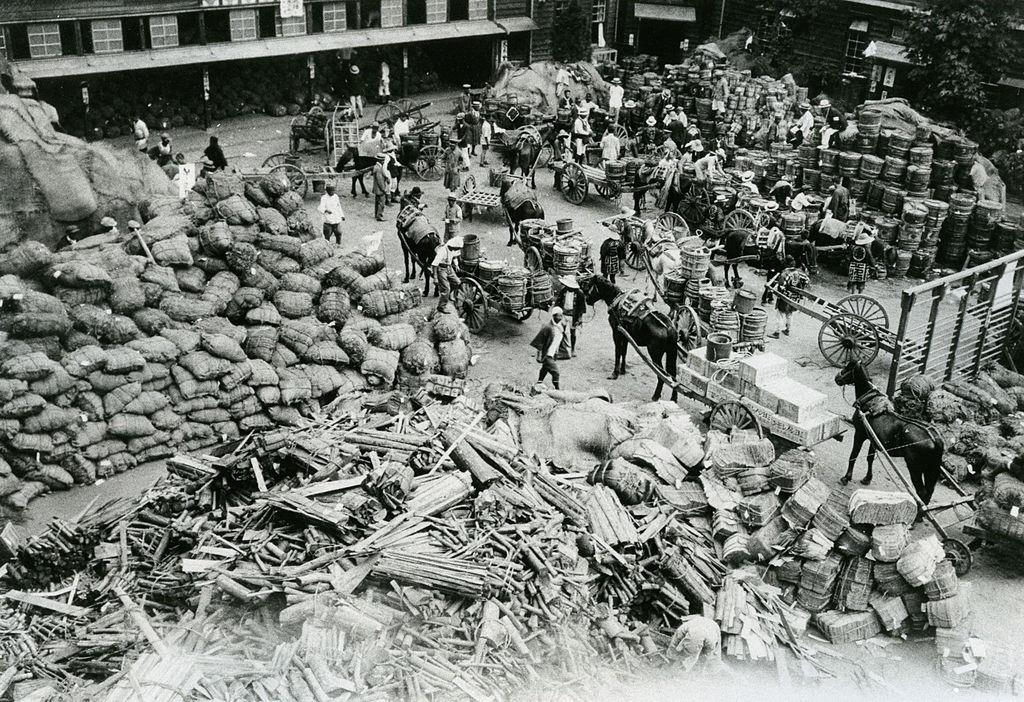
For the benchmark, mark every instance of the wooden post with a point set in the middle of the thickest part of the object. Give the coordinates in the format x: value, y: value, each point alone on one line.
x: 206, y: 97
x: 960, y: 315
x: 405, y: 71
x: 202, y: 28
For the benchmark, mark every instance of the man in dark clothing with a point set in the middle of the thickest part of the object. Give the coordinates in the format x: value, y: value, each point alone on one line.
x: 547, y: 341
x: 839, y: 202
x: 571, y: 299
x: 216, y: 155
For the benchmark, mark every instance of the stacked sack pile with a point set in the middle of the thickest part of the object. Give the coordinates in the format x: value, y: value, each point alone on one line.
x: 226, y: 315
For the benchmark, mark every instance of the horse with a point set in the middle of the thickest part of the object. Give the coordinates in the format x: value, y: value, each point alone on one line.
x: 524, y: 207
x: 419, y: 239
x: 920, y: 445
x: 523, y: 153
x: 651, y: 329
x: 360, y: 164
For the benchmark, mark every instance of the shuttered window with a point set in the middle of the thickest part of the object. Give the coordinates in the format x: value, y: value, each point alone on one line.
x: 163, y: 31
x: 600, y: 9
x: 43, y: 40
x: 107, y: 37
x: 243, y: 25
x: 335, y: 18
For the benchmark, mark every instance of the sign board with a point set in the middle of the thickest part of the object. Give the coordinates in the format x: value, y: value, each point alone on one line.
x: 503, y: 51
x: 405, y: 57
x: 206, y: 85
x: 311, y: 65
x: 85, y: 94
x: 890, y: 77
x: 631, y: 38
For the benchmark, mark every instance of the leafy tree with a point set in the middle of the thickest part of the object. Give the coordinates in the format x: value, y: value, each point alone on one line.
x: 780, y: 21
x: 571, y: 34
x: 957, y: 46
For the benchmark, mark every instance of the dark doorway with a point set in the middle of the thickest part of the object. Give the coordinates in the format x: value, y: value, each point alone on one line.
x: 661, y: 38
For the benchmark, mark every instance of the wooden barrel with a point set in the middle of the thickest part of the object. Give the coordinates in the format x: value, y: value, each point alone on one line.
x: 488, y: 270
x: 695, y: 262
x: 961, y: 203
x: 753, y: 325
x: 980, y: 235
x: 513, y: 285
x: 792, y: 223
x: 891, y: 199
x: 808, y: 155
x: 918, y: 177
x: 964, y: 151
x: 827, y: 160
x: 615, y: 169
x: 858, y: 188
x: 943, y: 171
x: 811, y: 177
x: 866, y: 143
x: 987, y: 212
x: 1006, y: 234
x: 887, y: 228
x: 915, y: 213
x: 725, y: 320
x: 910, y: 237
x: 541, y: 295
x: 564, y: 226
x: 849, y: 163
x: 869, y: 121
x: 899, y: 143
x: 894, y: 169
x: 920, y: 156
x: 566, y: 258
x: 675, y: 288
x: 873, y: 198
x: 470, y: 247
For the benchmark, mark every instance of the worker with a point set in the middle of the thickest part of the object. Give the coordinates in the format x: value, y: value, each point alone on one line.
x: 371, y: 141
x: 393, y: 167
x: 140, y: 132
x: 466, y: 99
x: 486, y: 134
x: 444, y: 265
x: 215, y: 154
x: 676, y: 125
x: 587, y: 106
x: 733, y: 245
x: 403, y: 125
x: 71, y: 236
x: 412, y: 199
x: 472, y: 121
x: 782, y: 191
x: 561, y: 153
x: 611, y: 253
x: 801, y: 199
x: 697, y: 635
x: 452, y: 217
x: 611, y: 147
x: 747, y: 184
x: 165, y: 151
x: 108, y: 225
x: 861, y: 261
x: 719, y: 94
x: 835, y: 123
x: 452, y: 159
x: 384, y: 87
x: 794, y: 136
x: 381, y: 187
x: 582, y: 135
x: 806, y: 121
x: 134, y: 229
x: 547, y: 342
x: 708, y: 167
x: 331, y: 212
x: 355, y: 90
x: 791, y: 281
x: 839, y: 201
x: 572, y: 300
x: 615, y: 93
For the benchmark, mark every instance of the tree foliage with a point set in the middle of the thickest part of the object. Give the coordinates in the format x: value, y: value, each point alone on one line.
x: 958, y: 45
x: 570, y: 30
x: 780, y: 21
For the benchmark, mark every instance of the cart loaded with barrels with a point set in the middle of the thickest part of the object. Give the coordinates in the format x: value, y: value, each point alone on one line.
x: 610, y: 181
x: 558, y: 249
x: 489, y: 284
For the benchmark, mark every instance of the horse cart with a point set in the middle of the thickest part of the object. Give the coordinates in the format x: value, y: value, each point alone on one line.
x: 492, y: 285
x: 393, y: 109
x: 632, y: 237
x: 577, y: 178
x: 855, y: 328
x: 558, y: 252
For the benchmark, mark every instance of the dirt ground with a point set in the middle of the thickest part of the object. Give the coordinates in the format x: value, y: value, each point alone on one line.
x: 504, y: 354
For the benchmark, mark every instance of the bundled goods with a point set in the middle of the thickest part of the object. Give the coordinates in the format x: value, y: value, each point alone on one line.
x: 888, y: 542
x: 853, y: 586
x: 853, y: 542
x: 919, y: 560
x: 876, y: 507
x: 817, y: 579
x: 805, y: 502
x: 757, y: 510
x: 789, y: 471
x: 839, y: 627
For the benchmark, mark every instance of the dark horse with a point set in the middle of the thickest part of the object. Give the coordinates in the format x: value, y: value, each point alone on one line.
x: 918, y: 444
x: 651, y: 329
x: 419, y: 240
x: 524, y: 152
x: 518, y: 203
x: 360, y: 164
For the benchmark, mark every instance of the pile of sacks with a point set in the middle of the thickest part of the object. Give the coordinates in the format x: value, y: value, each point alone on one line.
x: 226, y: 315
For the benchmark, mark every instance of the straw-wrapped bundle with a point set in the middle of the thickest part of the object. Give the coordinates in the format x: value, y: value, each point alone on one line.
x: 888, y: 541
x: 379, y: 366
x: 334, y: 305
x: 379, y: 303
x: 392, y: 338
x: 454, y: 357
x: 420, y: 357
x: 293, y: 304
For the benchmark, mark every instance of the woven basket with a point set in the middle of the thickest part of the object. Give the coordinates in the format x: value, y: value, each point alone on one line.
x: 944, y: 582
x: 293, y: 304
x: 326, y: 353
x: 454, y: 357
x: 261, y: 342
x: 949, y: 613
x: 1008, y: 491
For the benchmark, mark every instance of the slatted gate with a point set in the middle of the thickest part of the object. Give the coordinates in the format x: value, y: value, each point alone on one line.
x: 951, y: 326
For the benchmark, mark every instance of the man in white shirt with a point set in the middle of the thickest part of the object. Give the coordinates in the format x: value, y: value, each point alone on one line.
x: 587, y: 106
x: 806, y: 121
x: 615, y: 93
x: 486, y: 132
x: 333, y: 215
x: 402, y: 125
x: 611, y: 147
x: 547, y: 341
x: 384, y: 88
x: 444, y: 270
x: 708, y: 167
x: 371, y: 141
x: 800, y: 200
x: 581, y: 137
x: 140, y: 132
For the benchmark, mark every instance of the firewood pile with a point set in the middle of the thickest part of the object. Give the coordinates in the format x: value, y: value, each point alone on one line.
x: 226, y: 315
x: 387, y: 551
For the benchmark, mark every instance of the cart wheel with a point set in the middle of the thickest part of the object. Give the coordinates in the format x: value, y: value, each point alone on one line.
x: 410, y: 108
x: 471, y: 304
x: 730, y: 415
x: 387, y: 113
x: 635, y: 255
x: 959, y: 554
x: 608, y: 189
x: 688, y: 326
x: 669, y: 222
x: 524, y: 314
x: 315, y: 110
x: 620, y: 131
x: 532, y: 259
x: 574, y: 184
x: 428, y: 164
x: 694, y: 207
x: 544, y: 156
x: 738, y: 219
x: 276, y: 160
x: 296, y: 178
x: 867, y: 307
x: 848, y: 337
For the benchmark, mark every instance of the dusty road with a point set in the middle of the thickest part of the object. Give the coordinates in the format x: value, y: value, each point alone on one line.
x: 505, y: 355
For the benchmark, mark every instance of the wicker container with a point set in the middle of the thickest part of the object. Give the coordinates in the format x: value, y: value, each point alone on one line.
x: 891, y: 612
x: 675, y: 288
x: 541, y: 295
x: 695, y: 262
x: 725, y: 321
x: 888, y: 579
x: 488, y: 270
x: 512, y: 287
x: 566, y: 259
x: 888, y: 542
x: 754, y: 325
x: 894, y: 169
x: 948, y: 613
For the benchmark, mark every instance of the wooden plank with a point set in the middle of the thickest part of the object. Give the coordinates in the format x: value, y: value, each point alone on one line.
x: 45, y: 603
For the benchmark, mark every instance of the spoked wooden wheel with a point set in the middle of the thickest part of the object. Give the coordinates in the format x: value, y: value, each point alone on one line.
x: 276, y: 160
x: 471, y: 304
x: 731, y: 415
x: 738, y: 219
x: 691, y: 334
x: 574, y: 184
x: 635, y: 254
x: 532, y: 259
x: 428, y: 163
x: 694, y: 207
x: 621, y: 132
x: 848, y: 337
x: 674, y: 224
x: 867, y: 307
x: 410, y: 109
x: 296, y: 178
x: 608, y: 189
x: 959, y: 554
x: 388, y: 113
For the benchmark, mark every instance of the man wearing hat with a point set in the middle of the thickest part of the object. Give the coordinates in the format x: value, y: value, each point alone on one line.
x: 547, y: 342
x: 466, y: 98
x: 782, y: 191
x: 861, y: 260
x: 791, y: 281
x: 472, y: 121
x: 381, y: 187
x: 355, y: 90
x: 571, y: 299
x: 582, y: 135
x: 747, y: 184
x: 806, y: 121
x: 140, y: 132
x: 587, y: 106
x: 615, y: 93
x: 445, y: 259
x: 452, y: 159
x: 331, y: 212
x: 719, y: 94
x: 452, y: 218
x: 835, y: 123
x: 108, y: 225
x: 839, y: 201
x: 412, y: 198
x: 134, y: 229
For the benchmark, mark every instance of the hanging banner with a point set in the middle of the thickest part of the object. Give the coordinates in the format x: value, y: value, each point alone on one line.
x: 291, y: 8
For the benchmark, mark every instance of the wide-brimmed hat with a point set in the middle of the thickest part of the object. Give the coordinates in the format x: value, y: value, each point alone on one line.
x: 556, y: 310
x: 805, y: 105
x: 825, y: 102
x: 569, y: 281
x: 132, y: 224
x: 617, y: 81
x: 460, y: 115
x: 695, y: 145
x: 629, y: 104
x: 452, y: 196
x: 651, y: 121
x: 562, y: 134
x: 108, y: 222
x: 466, y: 86
x: 863, y: 238
x: 747, y: 176
x: 455, y: 242
x: 381, y: 157
x: 477, y: 103
x: 771, y: 206
x: 353, y: 69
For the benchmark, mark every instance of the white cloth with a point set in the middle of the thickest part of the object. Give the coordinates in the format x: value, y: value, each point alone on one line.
x: 370, y: 145
x: 611, y: 147
x: 752, y: 187
x: 330, y: 208
x: 444, y: 256
x: 979, y: 176
x: 799, y: 202
x: 402, y: 127
x: 556, y: 339
x: 806, y: 124
x: 186, y: 179
x: 707, y: 167
x: 615, y: 94
x: 141, y: 133
x: 586, y: 107
x: 485, y: 132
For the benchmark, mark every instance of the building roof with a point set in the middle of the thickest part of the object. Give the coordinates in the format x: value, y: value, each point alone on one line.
x: 898, y: 5
x: 50, y: 10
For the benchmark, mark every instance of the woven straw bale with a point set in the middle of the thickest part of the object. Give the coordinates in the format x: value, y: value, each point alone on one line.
x: 50, y: 419
x: 293, y: 304
x: 266, y: 314
x: 354, y: 343
x: 205, y: 366
x: 285, y: 416
x: 285, y: 244
x: 295, y: 386
x: 31, y: 443
x: 268, y: 395
x: 185, y: 339
x: 420, y: 357
x: 79, y: 274
x: 261, y: 342
x: 9, y: 387
x: 283, y: 357
x: 315, y: 251
x: 343, y: 276
x: 117, y: 399
x: 191, y: 279
x: 325, y: 352
x: 241, y: 257
x: 222, y: 346
x: 239, y: 374
x: 185, y: 309
x: 27, y: 258
x: 123, y: 359
x: 300, y: 282
x: 56, y: 383
x: 454, y: 357
x: 392, y: 338
x: 334, y: 305
x: 236, y: 210
x: 262, y: 374
x: 363, y: 263
x: 278, y: 264
x: 379, y: 366
x: 288, y: 202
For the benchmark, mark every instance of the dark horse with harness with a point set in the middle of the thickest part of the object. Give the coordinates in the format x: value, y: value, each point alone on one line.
x: 631, y: 313
x: 519, y: 203
x: 919, y: 444
x: 419, y: 239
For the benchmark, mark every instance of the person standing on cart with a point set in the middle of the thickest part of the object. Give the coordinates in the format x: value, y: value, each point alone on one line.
x: 562, y: 153
x: 611, y: 147
x: 581, y: 136
x: 861, y: 262
x: 571, y: 299
x: 839, y: 201
x: 452, y: 217
x: 444, y: 265
x: 486, y: 134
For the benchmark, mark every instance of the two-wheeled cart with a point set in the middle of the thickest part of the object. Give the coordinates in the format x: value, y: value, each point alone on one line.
x: 577, y: 178
x: 855, y: 328
x: 478, y: 294
x: 630, y: 229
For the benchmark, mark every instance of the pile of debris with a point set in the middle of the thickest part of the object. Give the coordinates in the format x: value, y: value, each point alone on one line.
x: 225, y: 315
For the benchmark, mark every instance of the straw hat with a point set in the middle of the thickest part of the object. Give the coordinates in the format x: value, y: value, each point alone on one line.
x: 108, y: 222
x: 569, y: 281
x: 452, y: 196
x: 455, y: 243
x: 863, y: 238
x: 617, y: 81
x: 629, y: 104
x: 747, y: 176
x: 825, y: 102
x: 466, y: 86
x: 771, y: 206
x: 132, y: 224
x: 651, y: 121
x: 353, y: 69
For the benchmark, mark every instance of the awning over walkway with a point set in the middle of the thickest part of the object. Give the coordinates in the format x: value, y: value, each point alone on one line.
x: 264, y: 48
x: 669, y: 13
x: 886, y: 51
x: 1010, y: 82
